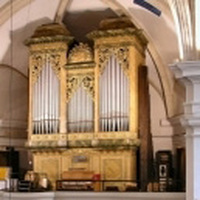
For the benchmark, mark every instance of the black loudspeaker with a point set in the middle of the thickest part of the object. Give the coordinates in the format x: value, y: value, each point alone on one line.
x: 10, y: 158
x: 13, y: 162
x: 164, y: 170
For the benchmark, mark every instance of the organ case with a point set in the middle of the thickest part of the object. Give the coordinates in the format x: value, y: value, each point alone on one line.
x: 84, y: 101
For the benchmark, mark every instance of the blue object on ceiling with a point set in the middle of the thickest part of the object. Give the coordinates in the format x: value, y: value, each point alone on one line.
x: 148, y: 6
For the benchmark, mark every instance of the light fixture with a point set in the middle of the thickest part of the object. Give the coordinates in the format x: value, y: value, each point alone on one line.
x: 148, y: 6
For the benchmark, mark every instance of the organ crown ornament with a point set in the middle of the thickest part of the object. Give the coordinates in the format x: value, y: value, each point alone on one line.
x: 80, y: 53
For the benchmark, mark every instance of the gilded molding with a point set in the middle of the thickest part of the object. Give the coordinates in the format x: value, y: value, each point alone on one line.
x: 49, y: 39
x: 139, y: 48
x: 80, y: 136
x: 118, y: 135
x: 80, y: 66
x: 119, y: 32
x: 106, y: 144
x: 47, y: 51
x: 79, y: 143
x: 121, y: 53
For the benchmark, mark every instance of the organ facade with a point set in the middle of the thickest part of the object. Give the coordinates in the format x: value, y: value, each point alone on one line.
x: 84, y: 101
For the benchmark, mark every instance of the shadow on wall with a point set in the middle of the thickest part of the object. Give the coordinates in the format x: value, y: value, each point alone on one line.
x: 13, y: 101
x: 81, y: 23
x: 14, y: 83
x: 20, y: 52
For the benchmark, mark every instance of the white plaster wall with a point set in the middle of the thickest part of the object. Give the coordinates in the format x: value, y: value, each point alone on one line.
x: 79, y: 6
x: 14, y: 99
x: 161, y: 130
x: 15, y: 142
x: 22, y: 25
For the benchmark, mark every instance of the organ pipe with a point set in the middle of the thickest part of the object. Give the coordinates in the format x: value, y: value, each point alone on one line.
x: 80, y: 112
x: 114, y: 98
x: 46, y: 101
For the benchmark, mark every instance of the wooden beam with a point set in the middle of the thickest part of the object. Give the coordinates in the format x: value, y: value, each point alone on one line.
x: 146, y: 148
x: 62, y: 7
x: 114, y: 6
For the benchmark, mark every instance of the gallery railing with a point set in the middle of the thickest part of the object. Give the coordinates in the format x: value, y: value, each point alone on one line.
x: 168, y: 185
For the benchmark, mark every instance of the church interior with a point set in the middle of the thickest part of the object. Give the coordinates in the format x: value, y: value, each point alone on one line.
x: 91, y: 97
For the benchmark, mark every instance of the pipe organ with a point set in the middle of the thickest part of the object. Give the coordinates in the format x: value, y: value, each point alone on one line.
x: 84, y: 100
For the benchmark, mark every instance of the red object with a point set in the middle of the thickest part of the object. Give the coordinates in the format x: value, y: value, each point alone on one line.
x: 96, y: 177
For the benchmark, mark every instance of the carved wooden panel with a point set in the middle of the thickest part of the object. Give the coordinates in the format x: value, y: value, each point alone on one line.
x: 112, y: 169
x: 52, y: 164
x: 76, y: 80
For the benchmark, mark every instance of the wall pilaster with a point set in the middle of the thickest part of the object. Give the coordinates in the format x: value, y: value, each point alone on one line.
x: 188, y: 72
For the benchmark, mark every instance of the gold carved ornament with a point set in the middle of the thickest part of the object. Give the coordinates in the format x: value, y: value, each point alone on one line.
x: 104, y: 55
x: 36, y: 68
x: 39, y: 61
x: 74, y: 81
x: 72, y: 85
x: 88, y: 84
x: 55, y: 63
x: 80, y: 53
x: 121, y: 54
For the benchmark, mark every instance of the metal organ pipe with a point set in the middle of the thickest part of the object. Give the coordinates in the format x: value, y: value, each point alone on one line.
x: 46, y: 101
x: 46, y: 87
x: 80, y: 112
x: 118, y: 95
x: 56, y: 102
x: 122, y: 104
x: 114, y: 98
x: 42, y: 112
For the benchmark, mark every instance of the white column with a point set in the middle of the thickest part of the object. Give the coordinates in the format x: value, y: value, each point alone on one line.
x: 189, y: 73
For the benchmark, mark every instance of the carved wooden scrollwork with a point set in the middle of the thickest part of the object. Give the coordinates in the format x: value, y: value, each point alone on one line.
x: 55, y: 63
x: 121, y: 53
x: 104, y: 54
x: 72, y: 85
x: 84, y: 80
x: 80, y: 53
x: 39, y: 61
x: 36, y: 68
x: 88, y: 84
